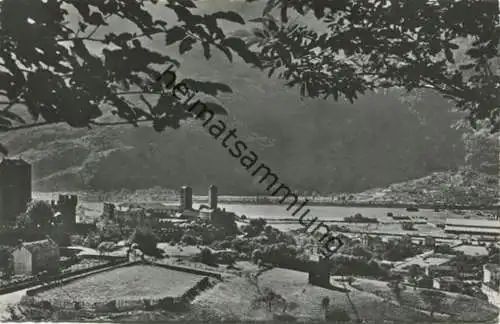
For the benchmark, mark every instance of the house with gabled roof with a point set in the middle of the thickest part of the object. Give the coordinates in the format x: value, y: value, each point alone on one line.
x: 30, y: 258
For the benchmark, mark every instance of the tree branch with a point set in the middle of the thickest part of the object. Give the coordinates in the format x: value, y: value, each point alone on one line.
x: 26, y: 126
x: 118, y: 123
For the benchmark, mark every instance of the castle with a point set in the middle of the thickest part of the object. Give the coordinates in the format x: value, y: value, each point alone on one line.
x: 155, y: 213
x: 65, y: 208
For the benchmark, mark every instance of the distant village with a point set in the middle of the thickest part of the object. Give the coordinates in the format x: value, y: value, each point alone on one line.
x: 52, y: 253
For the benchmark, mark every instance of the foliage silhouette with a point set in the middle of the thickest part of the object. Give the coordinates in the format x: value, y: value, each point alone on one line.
x: 49, y: 68
x: 448, y: 46
x: 40, y: 213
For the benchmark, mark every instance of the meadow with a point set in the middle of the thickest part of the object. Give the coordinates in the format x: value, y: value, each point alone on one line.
x: 127, y: 282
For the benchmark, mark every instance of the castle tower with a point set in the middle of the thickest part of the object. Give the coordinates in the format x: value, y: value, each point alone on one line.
x: 212, y: 197
x: 109, y: 211
x: 320, y: 272
x: 186, y: 198
x: 15, y: 188
x: 66, y: 205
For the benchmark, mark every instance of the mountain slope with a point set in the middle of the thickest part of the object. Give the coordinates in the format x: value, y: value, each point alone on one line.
x: 319, y: 145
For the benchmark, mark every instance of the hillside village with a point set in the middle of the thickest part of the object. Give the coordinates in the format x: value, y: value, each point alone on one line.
x: 111, y: 266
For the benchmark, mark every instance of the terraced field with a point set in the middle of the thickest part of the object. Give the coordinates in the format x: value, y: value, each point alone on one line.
x: 127, y: 282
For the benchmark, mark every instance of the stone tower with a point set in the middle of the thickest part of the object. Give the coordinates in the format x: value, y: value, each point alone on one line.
x: 212, y: 197
x: 320, y: 272
x: 15, y: 189
x: 66, y: 205
x: 186, y: 198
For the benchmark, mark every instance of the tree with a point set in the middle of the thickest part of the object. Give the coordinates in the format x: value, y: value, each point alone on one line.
x: 49, y: 69
x: 146, y: 241
x: 270, y: 298
x: 481, y: 150
x: 207, y: 257
x: 396, y: 287
x: 414, y: 272
x: 338, y: 315
x: 40, y: 213
x: 325, y: 302
x: 434, y: 299
x: 256, y: 256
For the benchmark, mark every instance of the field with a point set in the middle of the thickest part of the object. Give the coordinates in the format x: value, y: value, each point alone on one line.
x: 233, y: 300
x: 462, y: 308
x: 294, y: 287
x: 126, y: 282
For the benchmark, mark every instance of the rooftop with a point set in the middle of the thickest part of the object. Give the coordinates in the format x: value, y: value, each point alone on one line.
x: 494, y: 267
x: 9, y: 162
x: 148, y: 205
x: 472, y: 250
x: 446, y: 279
x: 473, y: 222
x: 39, y: 246
x: 428, y: 262
x: 473, y: 230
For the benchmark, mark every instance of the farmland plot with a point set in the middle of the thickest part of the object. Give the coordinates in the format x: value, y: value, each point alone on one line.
x: 127, y: 282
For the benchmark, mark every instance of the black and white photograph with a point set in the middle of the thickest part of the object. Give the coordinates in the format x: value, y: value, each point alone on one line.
x: 250, y: 161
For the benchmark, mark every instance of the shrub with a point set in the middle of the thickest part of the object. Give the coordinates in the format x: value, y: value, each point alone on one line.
x: 146, y: 241
x: 207, y: 257
x: 338, y: 315
x: 189, y: 239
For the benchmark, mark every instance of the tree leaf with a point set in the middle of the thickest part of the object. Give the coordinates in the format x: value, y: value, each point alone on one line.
x: 187, y: 3
x: 239, y: 46
x: 206, y: 50
x: 230, y: 16
x: 227, y: 52
x: 186, y: 45
x: 96, y: 19
x: 208, y: 87
x: 175, y: 34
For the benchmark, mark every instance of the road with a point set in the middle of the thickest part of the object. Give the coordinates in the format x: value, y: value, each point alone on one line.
x: 11, y: 299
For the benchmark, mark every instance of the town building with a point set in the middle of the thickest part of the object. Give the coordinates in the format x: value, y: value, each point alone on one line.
x: 447, y: 283
x: 134, y: 214
x: 15, y: 189
x: 35, y: 257
x: 441, y: 270
x: 430, y: 241
x: 472, y: 226
x: 137, y: 214
x: 491, y: 276
x: 373, y: 243
x: 472, y: 250
x: 491, y: 283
